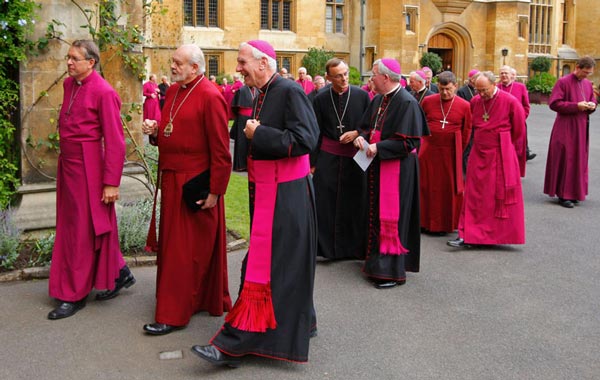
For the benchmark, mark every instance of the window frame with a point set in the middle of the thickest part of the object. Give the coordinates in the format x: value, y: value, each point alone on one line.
x: 338, y: 26
x: 283, y: 19
x: 191, y: 20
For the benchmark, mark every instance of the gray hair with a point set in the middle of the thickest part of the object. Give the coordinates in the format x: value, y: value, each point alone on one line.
x: 89, y: 49
x: 383, y: 69
x: 259, y: 55
x: 489, y: 75
x: 418, y: 77
x: 196, y: 56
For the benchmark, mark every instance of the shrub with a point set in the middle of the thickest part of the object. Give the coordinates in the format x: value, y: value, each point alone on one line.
x: 433, y: 61
x: 134, y: 219
x: 41, y: 254
x: 10, y: 239
x: 315, y: 59
x: 541, y: 64
x: 354, y: 76
x: 542, y: 82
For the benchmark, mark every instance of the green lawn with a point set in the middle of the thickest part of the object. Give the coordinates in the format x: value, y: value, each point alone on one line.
x: 236, y: 205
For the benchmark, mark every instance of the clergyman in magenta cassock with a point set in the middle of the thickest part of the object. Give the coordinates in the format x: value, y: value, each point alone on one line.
x: 86, y: 251
x: 573, y: 101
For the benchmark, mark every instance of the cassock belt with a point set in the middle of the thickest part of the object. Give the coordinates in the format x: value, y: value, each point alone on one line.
x: 389, y: 204
x: 337, y: 148
x: 244, y: 111
x: 253, y: 310
x: 91, y: 153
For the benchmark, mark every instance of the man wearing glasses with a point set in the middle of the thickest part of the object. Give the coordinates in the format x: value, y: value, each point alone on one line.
x: 86, y: 252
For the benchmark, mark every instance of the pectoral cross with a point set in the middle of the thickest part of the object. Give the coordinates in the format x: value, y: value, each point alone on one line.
x: 168, y: 129
x: 341, y: 128
x: 444, y: 122
x: 486, y: 117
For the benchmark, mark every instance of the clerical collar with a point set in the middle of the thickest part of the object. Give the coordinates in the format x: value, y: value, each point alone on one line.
x: 394, y: 90
x: 266, y: 86
x: 340, y: 93
x: 192, y: 82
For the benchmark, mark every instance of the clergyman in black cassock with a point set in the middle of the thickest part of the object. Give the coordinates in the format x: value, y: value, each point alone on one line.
x: 393, y: 126
x: 274, y: 314
x: 340, y: 184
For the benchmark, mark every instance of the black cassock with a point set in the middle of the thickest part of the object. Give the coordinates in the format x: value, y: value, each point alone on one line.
x: 403, y: 125
x: 340, y: 184
x: 288, y: 128
x: 241, y: 107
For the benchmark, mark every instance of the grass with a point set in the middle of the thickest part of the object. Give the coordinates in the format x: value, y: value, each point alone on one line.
x: 236, y: 206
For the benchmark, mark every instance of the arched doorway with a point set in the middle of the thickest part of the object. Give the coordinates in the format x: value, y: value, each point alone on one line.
x: 453, y: 43
x: 441, y: 44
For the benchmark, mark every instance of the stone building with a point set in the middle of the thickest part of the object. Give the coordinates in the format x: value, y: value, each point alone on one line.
x: 483, y: 34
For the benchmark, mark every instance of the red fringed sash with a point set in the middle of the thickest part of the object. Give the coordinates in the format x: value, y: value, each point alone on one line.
x: 253, y: 310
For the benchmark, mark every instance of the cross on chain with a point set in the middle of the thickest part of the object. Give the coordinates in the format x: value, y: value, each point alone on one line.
x: 341, y: 128
x: 444, y: 122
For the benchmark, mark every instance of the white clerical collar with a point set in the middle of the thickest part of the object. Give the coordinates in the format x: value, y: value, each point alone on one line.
x: 395, y: 88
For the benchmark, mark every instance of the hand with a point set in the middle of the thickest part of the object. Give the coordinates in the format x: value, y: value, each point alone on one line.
x: 359, y: 142
x: 209, y: 202
x: 110, y: 194
x: 591, y: 106
x: 372, y: 150
x: 348, y: 137
x: 150, y: 127
x: 251, y: 126
x: 583, y: 106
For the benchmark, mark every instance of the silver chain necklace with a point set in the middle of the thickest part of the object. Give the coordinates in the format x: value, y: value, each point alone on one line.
x: 340, y: 125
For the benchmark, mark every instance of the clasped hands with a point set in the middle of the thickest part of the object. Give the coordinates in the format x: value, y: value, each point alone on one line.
x: 150, y: 127
x: 586, y: 106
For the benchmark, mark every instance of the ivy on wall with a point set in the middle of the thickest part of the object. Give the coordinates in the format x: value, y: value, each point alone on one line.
x: 104, y: 25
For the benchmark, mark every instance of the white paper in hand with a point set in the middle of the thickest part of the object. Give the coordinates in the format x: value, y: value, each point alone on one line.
x: 361, y: 157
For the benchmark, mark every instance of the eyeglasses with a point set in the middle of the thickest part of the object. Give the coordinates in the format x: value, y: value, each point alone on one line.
x: 68, y: 57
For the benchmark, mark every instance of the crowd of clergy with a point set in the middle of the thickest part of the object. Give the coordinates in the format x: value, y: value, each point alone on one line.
x: 334, y: 170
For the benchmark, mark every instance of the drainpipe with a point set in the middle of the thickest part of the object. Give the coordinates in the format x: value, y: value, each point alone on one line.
x: 362, y: 38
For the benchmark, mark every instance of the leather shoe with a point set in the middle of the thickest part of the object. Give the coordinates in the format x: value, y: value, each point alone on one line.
x: 125, y: 280
x: 386, y: 284
x: 458, y: 243
x: 212, y: 354
x: 66, y: 309
x: 566, y: 203
x: 313, y: 333
x: 531, y: 156
x: 160, y: 328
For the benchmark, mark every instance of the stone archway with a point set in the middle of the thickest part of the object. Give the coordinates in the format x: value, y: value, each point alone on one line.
x: 454, y: 44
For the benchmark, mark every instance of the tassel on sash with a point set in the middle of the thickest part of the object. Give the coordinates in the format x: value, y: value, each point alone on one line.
x: 253, y: 311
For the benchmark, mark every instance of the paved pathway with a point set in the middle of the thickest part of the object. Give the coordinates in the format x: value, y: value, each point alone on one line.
x: 514, y: 312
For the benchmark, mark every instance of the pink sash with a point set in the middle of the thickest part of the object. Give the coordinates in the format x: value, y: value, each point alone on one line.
x: 253, y: 310
x: 389, y: 204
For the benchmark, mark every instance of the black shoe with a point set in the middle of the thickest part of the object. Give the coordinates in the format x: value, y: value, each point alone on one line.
x: 386, y: 284
x: 313, y: 333
x: 125, y: 280
x: 216, y: 357
x: 457, y: 243
x: 160, y: 328
x: 566, y: 203
x: 531, y: 156
x: 66, y: 309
